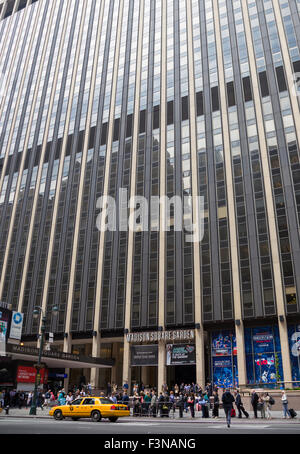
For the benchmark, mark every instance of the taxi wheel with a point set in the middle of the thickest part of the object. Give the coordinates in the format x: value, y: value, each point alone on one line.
x: 113, y: 419
x: 58, y: 415
x: 96, y: 416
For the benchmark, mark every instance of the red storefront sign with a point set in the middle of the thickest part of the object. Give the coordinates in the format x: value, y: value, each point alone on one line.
x: 27, y: 374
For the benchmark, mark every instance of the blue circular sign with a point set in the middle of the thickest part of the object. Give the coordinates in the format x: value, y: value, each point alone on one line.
x: 17, y: 318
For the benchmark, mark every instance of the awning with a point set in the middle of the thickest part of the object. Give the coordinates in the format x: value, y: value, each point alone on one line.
x: 57, y: 359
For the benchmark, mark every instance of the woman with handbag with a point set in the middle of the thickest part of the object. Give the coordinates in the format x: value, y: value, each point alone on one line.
x: 261, y: 406
x: 191, y: 404
x: 284, y: 401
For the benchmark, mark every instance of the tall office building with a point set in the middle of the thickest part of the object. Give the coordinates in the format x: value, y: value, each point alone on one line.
x: 137, y: 99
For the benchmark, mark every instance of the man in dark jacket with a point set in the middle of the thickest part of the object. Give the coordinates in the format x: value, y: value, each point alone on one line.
x: 180, y: 405
x: 239, y: 405
x: 227, y: 400
x: 254, y: 402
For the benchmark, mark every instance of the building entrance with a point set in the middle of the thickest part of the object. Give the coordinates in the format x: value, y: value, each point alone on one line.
x: 181, y: 374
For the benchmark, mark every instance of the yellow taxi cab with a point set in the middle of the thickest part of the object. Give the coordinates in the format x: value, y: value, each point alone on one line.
x: 95, y: 408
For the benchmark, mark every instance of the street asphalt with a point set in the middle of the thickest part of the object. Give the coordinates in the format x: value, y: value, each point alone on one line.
x: 25, y: 425
x: 20, y: 422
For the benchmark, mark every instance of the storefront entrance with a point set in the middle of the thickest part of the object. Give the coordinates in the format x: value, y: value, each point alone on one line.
x: 181, y: 374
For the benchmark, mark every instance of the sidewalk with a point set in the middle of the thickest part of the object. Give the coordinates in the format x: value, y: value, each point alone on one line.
x: 276, y: 416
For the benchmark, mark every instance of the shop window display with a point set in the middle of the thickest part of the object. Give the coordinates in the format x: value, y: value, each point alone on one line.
x: 263, y: 356
x: 224, y: 359
x: 294, y: 341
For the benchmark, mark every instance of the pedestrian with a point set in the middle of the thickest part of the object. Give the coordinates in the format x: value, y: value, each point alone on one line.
x: 69, y: 398
x: 180, y: 405
x: 204, y: 407
x: 191, y: 404
x: 125, y: 398
x: 284, y: 401
x: 254, y: 402
x: 21, y: 399
x: 176, y: 390
x: 61, y: 397
x: 147, y: 402
x: 1, y: 399
x: 89, y: 388
x: 153, y: 404
x: 268, y: 405
x: 136, y: 404
x: 228, y: 400
x: 29, y: 400
x: 216, y: 404
x: 239, y: 405
x: 261, y: 405
x: 108, y: 389
x: 125, y: 386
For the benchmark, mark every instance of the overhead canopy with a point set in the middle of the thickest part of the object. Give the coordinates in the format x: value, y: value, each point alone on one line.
x: 57, y: 359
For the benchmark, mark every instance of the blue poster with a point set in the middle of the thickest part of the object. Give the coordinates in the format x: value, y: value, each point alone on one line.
x: 224, y: 361
x: 294, y: 341
x: 262, y: 344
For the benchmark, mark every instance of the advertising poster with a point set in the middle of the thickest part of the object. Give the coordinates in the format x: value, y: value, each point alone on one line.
x: 294, y: 341
x: 178, y: 354
x: 5, y: 318
x: 222, y: 370
x: 224, y: 360
x: 27, y: 374
x: 16, y: 325
x: 144, y: 355
x: 263, y: 344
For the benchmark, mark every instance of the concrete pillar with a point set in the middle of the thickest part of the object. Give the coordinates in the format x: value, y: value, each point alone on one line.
x: 94, y: 378
x: 115, y: 352
x: 126, y: 364
x: 285, y: 351
x: 161, y: 370
x: 200, y: 360
x: 67, y: 349
x: 241, y: 356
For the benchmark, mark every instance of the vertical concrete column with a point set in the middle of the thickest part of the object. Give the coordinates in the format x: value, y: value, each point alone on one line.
x: 94, y: 380
x: 115, y: 351
x: 199, y: 334
x: 231, y: 208
x: 67, y: 349
x: 161, y: 370
x: 129, y: 267
x: 126, y: 365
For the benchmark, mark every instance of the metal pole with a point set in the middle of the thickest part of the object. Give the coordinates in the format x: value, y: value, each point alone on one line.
x: 34, y: 400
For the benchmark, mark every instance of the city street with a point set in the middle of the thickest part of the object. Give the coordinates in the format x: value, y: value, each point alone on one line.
x: 27, y: 425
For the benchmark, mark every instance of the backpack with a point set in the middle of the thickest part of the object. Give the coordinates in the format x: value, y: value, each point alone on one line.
x: 271, y: 401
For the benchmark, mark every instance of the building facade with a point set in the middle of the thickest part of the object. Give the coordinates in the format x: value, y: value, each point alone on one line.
x: 154, y: 98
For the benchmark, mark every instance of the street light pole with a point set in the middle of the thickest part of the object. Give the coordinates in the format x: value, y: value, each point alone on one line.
x: 38, y: 367
x: 36, y: 313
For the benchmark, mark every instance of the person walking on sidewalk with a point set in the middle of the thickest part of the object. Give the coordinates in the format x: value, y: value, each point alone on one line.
x: 268, y: 404
x: 284, y: 401
x: 228, y: 400
x: 254, y: 402
x: 239, y: 405
x: 261, y: 403
x: 216, y: 404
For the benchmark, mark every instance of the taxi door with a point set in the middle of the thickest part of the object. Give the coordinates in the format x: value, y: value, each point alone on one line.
x: 87, y: 406
x: 74, y: 409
